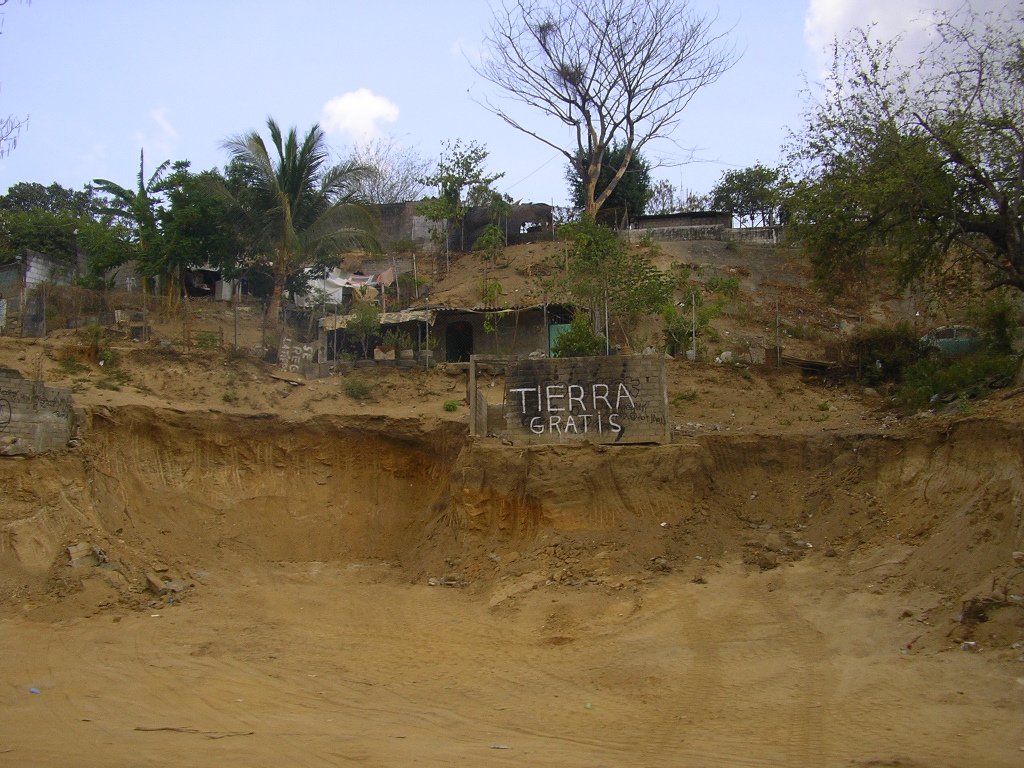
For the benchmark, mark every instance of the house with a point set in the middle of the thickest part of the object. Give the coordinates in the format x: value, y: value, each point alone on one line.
x: 18, y: 281
x: 514, y: 331
x: 452, y: 334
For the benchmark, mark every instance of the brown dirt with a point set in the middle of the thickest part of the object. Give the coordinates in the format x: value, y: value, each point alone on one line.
x: 799, y: 578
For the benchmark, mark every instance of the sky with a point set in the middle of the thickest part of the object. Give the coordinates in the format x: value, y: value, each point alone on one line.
x: 100, y: 80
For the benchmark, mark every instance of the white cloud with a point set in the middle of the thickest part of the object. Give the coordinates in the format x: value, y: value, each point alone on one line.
x: 158, y: 144
x: 159, y: 116
x: 357, y: 114
x: 830, y: 19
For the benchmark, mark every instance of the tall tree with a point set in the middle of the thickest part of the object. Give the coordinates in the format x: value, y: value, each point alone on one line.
x: 196, y: 225
x: 630, y: 195
x: 608, y: 70
x: 754, y: 195
x: 43, y: 219
x: 922, y: 163
x: 300, y: 209
x: 394, y: 173
x: 32, y: 196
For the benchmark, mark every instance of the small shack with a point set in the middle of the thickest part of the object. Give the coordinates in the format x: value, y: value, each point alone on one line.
x: 453, y: 334
x: 517, y: 331
x: 684, y: 219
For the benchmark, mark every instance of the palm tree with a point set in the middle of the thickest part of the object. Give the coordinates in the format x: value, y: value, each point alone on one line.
x: 298, y: 209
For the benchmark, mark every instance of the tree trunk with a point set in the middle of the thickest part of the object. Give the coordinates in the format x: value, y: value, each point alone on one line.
x: 272, y: 319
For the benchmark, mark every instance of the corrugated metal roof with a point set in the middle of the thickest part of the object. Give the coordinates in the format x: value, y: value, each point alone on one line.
x: 335, y: 322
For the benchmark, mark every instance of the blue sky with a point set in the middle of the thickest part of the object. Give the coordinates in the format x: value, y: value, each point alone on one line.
x: 100, y: 79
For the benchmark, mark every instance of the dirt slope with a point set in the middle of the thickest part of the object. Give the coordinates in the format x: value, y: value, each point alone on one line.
x: 799, y: 578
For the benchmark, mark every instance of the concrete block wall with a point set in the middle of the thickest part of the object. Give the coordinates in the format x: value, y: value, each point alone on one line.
x: 608, y: 400
x: 701, y: 232
x: 757, y: 235
x: 33, y: 418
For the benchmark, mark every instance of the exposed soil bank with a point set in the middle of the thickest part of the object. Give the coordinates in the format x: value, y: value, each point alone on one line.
x: 725, y: 600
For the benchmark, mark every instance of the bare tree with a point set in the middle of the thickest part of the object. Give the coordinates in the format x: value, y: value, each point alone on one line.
x: 609, y: 70
x: 395, y: 172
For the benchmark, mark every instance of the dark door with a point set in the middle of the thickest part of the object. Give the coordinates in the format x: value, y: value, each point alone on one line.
x: 458, y: 342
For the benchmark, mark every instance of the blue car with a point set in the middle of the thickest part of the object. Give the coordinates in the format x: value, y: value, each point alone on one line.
x: 953, y: 341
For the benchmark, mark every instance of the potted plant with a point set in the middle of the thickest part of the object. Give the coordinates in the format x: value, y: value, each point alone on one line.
x: 388, y: 345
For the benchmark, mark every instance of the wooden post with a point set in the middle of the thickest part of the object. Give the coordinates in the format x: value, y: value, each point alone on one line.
x: 472, y: 395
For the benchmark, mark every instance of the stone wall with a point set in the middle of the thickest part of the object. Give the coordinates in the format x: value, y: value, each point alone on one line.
x: 615, y: 400
x: 33, y: 418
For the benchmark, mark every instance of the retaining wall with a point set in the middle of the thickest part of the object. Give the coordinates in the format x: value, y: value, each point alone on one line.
x: 33, y: 417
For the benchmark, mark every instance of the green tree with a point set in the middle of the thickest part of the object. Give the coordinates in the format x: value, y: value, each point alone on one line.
x: 611, y: 71
x: 918, y: 165
x: 364, y: 324
x: 628, y: 198
x: 755, y: 195
x: 460, y: 180
x: 55, y: 199
x: 491, y: 244
x: 197, y: 226
x: 37, y: 230
x: 612, y: 277
x: 298, y: 210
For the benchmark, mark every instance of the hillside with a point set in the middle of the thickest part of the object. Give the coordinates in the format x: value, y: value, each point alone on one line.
x: 282, y: 573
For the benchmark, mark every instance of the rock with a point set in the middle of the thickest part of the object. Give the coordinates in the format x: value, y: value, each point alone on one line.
x: 176, y: 585
x: 82, y: 554
x: 1018, y: 558
x: 767, y: 561
x: 446, y: 581
x: 155, y: 584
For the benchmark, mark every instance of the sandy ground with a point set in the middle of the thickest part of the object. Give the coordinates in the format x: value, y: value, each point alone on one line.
x: 801, y: 578
x: 328, y: 664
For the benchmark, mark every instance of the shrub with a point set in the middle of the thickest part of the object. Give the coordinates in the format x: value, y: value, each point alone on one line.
x: 357, y: 388
x: 725, y: 286
x: 998, y: 320
x: 451, y: 405
x: 689, y: 396
x: 107, y: 357
x: 679, y: 323
x: 965, y: 377
x: 207, y: 340
x: 880, y: 354
x: 580, y: 340
x: 71, y: 366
